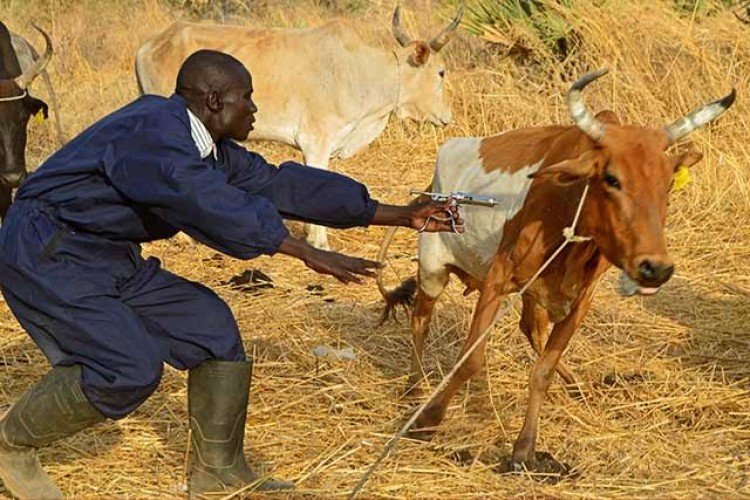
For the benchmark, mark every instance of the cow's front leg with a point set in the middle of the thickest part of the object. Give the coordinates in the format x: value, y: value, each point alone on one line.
x: 490, y: 298
x: 541, y: 373
x: 534, y: 324
x: 317, y: 236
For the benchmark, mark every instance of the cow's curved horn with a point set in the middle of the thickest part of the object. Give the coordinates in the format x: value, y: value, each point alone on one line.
x: 28, y: 76
x: 401, y: 36
x: 444, y: 36
x: 706, y: 113
x: 583, y: 119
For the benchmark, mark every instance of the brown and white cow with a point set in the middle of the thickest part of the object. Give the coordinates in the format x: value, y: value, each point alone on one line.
x: 324, y: 90
x: 539, y: 174
x: 16, y: 107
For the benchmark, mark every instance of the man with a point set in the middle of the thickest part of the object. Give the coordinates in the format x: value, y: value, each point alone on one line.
x: 72, y: 273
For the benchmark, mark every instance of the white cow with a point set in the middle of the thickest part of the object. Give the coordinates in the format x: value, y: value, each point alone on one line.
x: 322, y: 90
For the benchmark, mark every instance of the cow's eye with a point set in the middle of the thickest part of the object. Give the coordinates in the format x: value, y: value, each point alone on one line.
x: 441, y: 73
x: 612, y: 181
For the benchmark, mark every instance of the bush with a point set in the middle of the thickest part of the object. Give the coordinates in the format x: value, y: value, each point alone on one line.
x: 528, y: 30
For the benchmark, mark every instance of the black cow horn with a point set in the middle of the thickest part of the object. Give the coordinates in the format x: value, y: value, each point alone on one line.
x: 28, y: 76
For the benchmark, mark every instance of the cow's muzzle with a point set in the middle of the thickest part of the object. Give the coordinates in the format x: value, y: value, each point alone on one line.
x: 12, y: 179
x: 652, y: 272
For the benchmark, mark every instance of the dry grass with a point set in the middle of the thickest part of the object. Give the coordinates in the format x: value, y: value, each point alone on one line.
x: 667, y: 406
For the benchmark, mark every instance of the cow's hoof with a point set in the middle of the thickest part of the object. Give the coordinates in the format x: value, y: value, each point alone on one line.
x: 544, y: 468
x: 575, y: 392
x: 420, y: 434
x: 412, y: 391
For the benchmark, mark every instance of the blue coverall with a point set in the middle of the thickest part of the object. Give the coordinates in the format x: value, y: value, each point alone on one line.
x: 71, y: 268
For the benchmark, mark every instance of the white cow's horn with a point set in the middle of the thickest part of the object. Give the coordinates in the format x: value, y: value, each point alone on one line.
x: 401, y: 36
x: 444, y: 36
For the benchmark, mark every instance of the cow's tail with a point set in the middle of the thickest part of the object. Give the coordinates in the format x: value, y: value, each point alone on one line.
x: 403, y: 295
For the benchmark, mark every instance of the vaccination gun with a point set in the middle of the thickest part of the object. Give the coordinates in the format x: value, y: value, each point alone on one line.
x: 461, y: 198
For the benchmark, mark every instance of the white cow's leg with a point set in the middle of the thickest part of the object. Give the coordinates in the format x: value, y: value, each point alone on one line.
x: 317, y: 236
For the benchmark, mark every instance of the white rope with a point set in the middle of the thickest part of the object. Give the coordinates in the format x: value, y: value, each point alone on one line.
x: 570, y: 237
x: 15, y: 97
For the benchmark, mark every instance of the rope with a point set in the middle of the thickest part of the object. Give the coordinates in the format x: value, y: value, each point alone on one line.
x: 15, y: 97
x: 570, y: 237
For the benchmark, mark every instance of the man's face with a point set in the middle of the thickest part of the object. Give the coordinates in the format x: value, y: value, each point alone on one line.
x: 238, y: 113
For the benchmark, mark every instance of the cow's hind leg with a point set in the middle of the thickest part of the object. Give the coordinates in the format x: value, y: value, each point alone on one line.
x: 490, y: 298
x: 534, y: 324
x: 431, y: 283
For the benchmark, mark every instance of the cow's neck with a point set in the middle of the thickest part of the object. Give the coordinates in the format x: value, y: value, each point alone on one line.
x: 564, y: 278
x: 538, y: 231
x: 399, y: 76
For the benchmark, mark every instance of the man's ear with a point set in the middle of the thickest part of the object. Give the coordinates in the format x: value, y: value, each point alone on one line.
x: 570, y: 171
x: 214, y: 101
x: 686, y: 159
x: 34, y: 105
x: 420, y: 55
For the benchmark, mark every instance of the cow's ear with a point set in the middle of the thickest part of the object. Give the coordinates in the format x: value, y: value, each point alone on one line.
x: 686, y: 159
x: 570, y: 171
x: 34, y: 105
x: 421, y: 54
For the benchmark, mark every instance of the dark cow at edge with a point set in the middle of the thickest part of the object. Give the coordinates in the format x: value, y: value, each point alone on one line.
x: 539, y: 175
x: 16, y: 108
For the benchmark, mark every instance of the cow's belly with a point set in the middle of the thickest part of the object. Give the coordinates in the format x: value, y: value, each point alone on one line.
x: 460, y: 168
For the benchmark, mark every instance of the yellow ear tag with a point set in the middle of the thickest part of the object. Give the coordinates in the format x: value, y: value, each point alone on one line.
x: 39, y: 117
x: 681, y: 178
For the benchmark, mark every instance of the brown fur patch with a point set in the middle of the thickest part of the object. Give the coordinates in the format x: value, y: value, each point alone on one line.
x: 516, y: 149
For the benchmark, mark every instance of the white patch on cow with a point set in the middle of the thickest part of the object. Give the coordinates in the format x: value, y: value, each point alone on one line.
x: 459, y: 168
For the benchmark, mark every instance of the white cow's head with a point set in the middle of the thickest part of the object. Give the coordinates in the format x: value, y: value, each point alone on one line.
x: 422, y: 73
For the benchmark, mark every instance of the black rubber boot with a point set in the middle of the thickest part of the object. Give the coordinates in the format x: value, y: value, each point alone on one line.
x: 218, y: 394
x: 52, y: 409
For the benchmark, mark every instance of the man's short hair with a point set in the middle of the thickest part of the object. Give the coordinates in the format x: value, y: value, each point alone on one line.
x: 206, y: 70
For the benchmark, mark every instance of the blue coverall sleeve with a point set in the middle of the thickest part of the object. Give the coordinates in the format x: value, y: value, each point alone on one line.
x: 172, y: 182
x: 304, y: 193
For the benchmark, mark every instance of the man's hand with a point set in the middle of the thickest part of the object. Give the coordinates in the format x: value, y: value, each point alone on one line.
x: 433, y: 217
x: 342, y: 267
x: 428, y: 216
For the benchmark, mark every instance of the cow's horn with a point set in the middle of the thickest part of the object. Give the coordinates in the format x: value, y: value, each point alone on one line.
x: 682, y: 127
x: 444, y: 36
x: 583, y: 119
x: 401, y: 36
x: 28, y: 76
